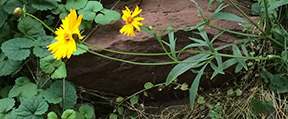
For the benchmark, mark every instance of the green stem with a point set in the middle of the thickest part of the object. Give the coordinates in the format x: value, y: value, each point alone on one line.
x: 267, y: 16
x: 41, y: 22
x: 246, y: 16
x: 160, y: 41
x: 234, y: 32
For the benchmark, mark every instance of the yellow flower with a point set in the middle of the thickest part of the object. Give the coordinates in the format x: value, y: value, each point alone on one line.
x: 131, y: 21
x: 65, y: 44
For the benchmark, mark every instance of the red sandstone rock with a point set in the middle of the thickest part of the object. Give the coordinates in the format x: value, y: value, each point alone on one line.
x: 120, y: 78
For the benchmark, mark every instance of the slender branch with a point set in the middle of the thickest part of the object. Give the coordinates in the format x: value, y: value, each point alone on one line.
x: 41, y: 22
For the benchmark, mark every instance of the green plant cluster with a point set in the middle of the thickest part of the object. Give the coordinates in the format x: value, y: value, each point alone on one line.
x: 24, y: 41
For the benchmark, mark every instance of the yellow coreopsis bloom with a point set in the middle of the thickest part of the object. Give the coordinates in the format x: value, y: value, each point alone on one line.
x: 65, y: 44
x: 131, y: 21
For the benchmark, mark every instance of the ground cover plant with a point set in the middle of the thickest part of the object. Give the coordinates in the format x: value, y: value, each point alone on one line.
x: 39, y: 36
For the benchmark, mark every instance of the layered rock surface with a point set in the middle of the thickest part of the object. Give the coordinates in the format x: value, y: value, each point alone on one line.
x: 120, y: 78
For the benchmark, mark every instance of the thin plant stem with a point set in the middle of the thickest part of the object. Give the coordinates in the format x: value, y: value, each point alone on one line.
x: 63, y: 95
x: 234, y: 32
x: 41, y: 22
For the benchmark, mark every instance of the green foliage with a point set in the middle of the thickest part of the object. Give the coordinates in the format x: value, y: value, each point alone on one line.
x: 52, y: 115
x: 17, y: 49
x: 75, y: 4
x: 277, y: 82
x: 227, y: 16
x: 6, y: 104
x: 61, y: 10
x: 69, y: 114
x: 31, y: 27
x: 261, y: 106
x: 238, y: 92
x: 106, y: 16
x: 8, y: 66
x: 23, y: 88
x: 54, y: 67
x: 54, y: 94
x: 40, y: 46
x: 230, y: 92
x: 4, y: 17
x: 200, y: 100
x: 81, y: 49
x: 113, y: 116
x: 148, y: 85
x: 90, y: 10
x: 10, y: 5
x: 119, y: 99
x: 214, y: 112
x: 43, y: 4
x: 133, y: 100
x: 30, y: 108
x: 87, y: 111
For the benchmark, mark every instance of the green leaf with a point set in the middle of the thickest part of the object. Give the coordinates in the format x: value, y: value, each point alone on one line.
x: 113, y: 116
x: 69, y: 114
x: 184, y: 87
x: 4, y: 17
x: 6, y: 104
x: 87, y: 111
x: 238, y: 92
x: 31, y: 27
x: 43, y: 4
x: 148, y: 85
x: 8, y: 66
x: 200, y: 100
x: 5, y: 33
x: 90, y: 10
x: 60, y: 72
x: 40, y: 46
x: 81, y: 49
x: 183, y: 67
x: 61, y: 10
x: 54, y: 94
x: 119, y: 99
x: 52, y: 66
x: 134, y: 100
x: 5, y: 91
x: 22, y: 81
x: 10, y: 5
x: 17, y: 49
x: 277, y: 4
x: 227, y: 16
x: 2, y: 2
x: 286, y: 106
x: 106, y: 16
x: 261, y: 106
x: 79, y: 116
x: 85, y: 25
x: 25, y: 91
x: 31, y: 108
x: 242, y: 63
x: 120, y: 110
x: 75, y: 4
x: 194, y: 87
x: 230, y: 92
x: 52, y: 115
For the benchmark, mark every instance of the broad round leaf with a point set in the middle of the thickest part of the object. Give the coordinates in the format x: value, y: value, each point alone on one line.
x: 40, y: 46
x: 8, y: 66
x: 5, y: 91
x: 5, y: 33
x: 49, y: 64
x: 54, y: 94
x: 31, y: 108
x: 61, y: 10
x: 22, y: 81
x: 60, y: 72
x: 106, y: 16
x: 75, y: 4
x: 43, y: 4
x: 52, y: 115
x: 87, y: 111
x: 16, y: 49
x: 27, y: 90
x: 134, y: 100
x: 31, y: 27
x: 6, y: 104
x: 69, y: 114
x: 90, y: 10
x: 10, y: 5
x: 148, y: 85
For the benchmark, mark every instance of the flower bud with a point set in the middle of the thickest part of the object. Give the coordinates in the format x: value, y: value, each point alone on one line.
x: 18, y: 11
